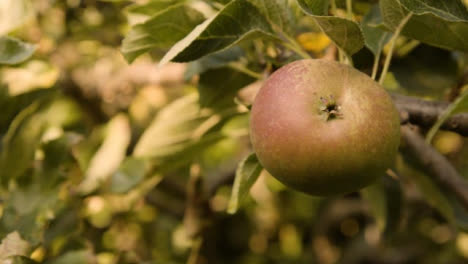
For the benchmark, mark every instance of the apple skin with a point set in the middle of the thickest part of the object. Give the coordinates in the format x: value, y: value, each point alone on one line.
x: 324, y: 128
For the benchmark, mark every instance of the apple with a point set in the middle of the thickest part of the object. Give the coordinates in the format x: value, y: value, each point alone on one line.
x: 324, y: 128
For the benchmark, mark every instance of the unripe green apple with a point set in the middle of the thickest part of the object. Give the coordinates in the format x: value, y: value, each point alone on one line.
x: 324, y: 128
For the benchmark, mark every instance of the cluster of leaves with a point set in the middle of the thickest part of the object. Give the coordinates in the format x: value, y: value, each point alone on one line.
x: 87, y: 177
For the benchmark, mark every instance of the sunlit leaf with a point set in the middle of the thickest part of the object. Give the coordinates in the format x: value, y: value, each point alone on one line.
x: 14, y: 51
x: 246, y: 174
x: 346, y: 34
x: 172, y: 128
x: 33, y: 75
x: 237, y: 21
x: 14, y: 13
x: 109, y: 155
x: 13, y: 245
x: 160, y: 31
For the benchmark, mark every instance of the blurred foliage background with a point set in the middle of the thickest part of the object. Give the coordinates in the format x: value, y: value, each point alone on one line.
x: 103, y: 161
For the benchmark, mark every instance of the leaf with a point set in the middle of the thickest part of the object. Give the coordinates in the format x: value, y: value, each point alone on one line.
x: 346, y: 34
x: 109, y: 155
x: 218, y: 87
x: 171, y: 128
x: 14, y: 13
x: 14, y: 51
x: 161, y: 31
x: 130, y: 173
x: 376, y: 197
x: 374, y: 36
x: 246, y: 174
x: 237, y: 21
x: 277, y: 12
x: 75, y: 257
x: 20, y: 143
x: 13, y: 245
x: 181, y: 131
x: 213, y: 61
x: 12, y: 105
x: 442, y: 24
x: 459, y: 105
x: 152, y: 7
x: 34, y: 74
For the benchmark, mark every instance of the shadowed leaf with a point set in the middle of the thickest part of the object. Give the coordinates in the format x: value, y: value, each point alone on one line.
x: 442, y: 24
x: 346, y: 34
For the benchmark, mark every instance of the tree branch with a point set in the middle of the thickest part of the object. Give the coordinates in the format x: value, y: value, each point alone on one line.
x: 435, y: 164
x: 425, y: 113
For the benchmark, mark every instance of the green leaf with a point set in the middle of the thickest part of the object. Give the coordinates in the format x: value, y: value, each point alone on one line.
x: 12, y: 105
x: 13, y: 245
x: 131, y: 172
x: 376, y: 198
x: 459, y: 105
x: 14, y: 51
x: 171, y: 129
x: 277, y: 12
x: 75, y: 257
x: 14, y: 13
x: 212, y: 61
x: 218, y: 87
x: 375, y: 37
x: 442, y: 24
x: 152, y: 7
x: 161, y: 31
x: 181, y: 131
x: 246, y: 174
x: 346, y: 34
x: 237, y: 21
x: 20, y: 143
x: 110, y: 154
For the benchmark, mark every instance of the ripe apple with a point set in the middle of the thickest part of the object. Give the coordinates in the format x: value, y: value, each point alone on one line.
x: 324, y: 128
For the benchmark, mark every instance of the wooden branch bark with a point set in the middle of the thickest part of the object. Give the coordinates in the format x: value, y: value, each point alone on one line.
x: 435, y: 164
x: 425, y: 113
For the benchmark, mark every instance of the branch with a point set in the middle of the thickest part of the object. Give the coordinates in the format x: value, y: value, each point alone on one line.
x: 425, y: 113
x: 436, y: 165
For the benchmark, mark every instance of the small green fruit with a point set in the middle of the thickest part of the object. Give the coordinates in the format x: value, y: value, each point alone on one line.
x: 324, y: 128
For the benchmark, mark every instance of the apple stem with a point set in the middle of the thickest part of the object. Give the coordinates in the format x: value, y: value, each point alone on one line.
x: 392, y: 45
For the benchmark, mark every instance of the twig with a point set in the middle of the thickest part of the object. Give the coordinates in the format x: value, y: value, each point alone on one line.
x: 435, y: 164
x: 425, y: 113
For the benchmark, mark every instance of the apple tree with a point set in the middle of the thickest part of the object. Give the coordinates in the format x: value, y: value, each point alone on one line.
x: 233, y: 131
